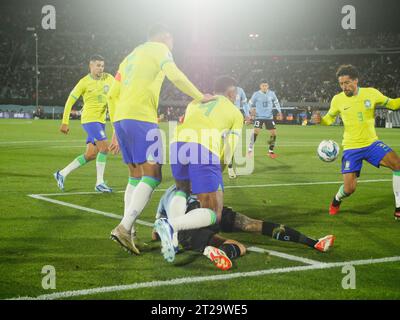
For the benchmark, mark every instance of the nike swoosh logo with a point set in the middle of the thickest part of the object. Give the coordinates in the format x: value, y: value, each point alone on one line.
x: 347, y: 108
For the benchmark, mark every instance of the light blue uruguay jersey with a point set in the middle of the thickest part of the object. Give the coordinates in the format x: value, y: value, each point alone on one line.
x: 264, y: 103
x: 163, y: 206
x: 241, y: 101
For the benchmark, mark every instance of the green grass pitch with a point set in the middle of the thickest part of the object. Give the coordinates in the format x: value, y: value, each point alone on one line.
x: 35, y: 233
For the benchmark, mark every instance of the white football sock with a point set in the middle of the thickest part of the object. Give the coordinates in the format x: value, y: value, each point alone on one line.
x: 138, y: 200
x: 75, y: 164
x: 177, y: 206
x: 100, y: 166
x: 195, y: 219
x: 130, y: 188
x: 396, y: 187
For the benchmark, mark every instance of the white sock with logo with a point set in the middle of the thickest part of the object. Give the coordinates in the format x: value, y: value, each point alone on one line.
x: 195, y: 219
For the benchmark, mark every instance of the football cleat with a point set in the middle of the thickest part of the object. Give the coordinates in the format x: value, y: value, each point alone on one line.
x: 325, y: 243
x: 231, y: 173
x: 102, y: 187
x: 60, y: 180
x: 218, y: 257
x: 166, y: 234
x: 397, y: 214
x: 124, y: 238
x: 272, y: 155
x: 334, y: 207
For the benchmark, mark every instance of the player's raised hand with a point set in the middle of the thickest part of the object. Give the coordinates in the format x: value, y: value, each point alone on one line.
x: 208, y: 97
x: 64, y: 128
x: 114, y: 146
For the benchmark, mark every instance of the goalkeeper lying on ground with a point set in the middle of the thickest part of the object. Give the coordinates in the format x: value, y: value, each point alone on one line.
x: 220, y: 250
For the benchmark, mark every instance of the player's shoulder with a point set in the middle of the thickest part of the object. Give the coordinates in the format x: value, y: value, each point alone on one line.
x: 107, y: 76
x: 85, y: 80
x: 228, y: 104
x: 154, y: 47
x: 369, y: 91
x: 337, y: 97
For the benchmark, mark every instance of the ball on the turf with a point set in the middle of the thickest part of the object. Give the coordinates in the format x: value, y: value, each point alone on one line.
x: 328, y: 150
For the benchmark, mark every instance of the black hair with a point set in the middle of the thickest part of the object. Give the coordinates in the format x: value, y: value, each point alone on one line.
x: 96, y: 57
x: 263, y: 81
x: 347, y: 70
x: 223, y: 83
x: 157, y: 29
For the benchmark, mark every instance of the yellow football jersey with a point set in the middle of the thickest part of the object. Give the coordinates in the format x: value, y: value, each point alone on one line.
x: 135, y: 93
x: 209, y: 123
x: 358, y: 115
x: 94, y: 93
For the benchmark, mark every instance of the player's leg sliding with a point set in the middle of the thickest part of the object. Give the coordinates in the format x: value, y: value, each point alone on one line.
x: 396, y: 191
x: 284, y: 233
x: 101, y: 186
x: 337, y: 200
x: 232, y: 221
x: 61, y: 175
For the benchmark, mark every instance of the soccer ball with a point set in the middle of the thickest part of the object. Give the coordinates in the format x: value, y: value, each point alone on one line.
x: 328, y: 150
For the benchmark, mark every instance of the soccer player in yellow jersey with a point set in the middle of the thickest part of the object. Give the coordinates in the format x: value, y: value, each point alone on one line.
x: 133, y: 103
x: 93, y: 88
x: 356, y: 107
x: 201, y: 148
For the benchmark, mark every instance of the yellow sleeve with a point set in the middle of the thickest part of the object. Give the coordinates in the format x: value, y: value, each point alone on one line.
x: 73, y: 96
x: 393, y: 104
x: 177, y: 77
x: 232, y: 137
x: 382, y: 100
x: 333, y: 111
x: 113, y: 96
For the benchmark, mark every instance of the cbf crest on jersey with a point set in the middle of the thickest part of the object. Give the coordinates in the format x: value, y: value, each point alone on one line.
x: 367, y: 104
x: 106, y: 88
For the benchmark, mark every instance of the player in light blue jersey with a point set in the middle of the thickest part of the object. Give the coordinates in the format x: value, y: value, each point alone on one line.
x: 262, y: 103
x: 242, y: 104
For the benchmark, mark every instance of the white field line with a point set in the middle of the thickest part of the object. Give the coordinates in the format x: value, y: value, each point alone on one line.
x: 284, y: 255
x: 198, y: 279
x: 148, y: 224
x: 40, y: 141
x: 270, y: 185
x: 74, y: 206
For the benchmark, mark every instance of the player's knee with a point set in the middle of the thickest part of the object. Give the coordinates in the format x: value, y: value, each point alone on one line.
x: 103, y: 149
x: 90, y: 156
x: 396, y: 165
